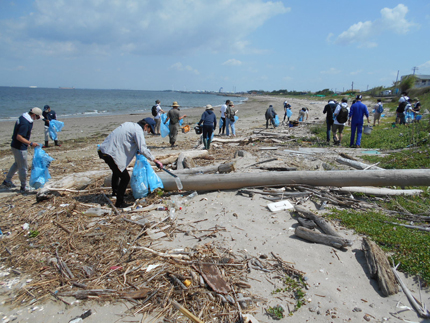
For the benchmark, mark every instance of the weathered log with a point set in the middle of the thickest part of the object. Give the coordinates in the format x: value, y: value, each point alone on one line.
x: 398, y: 177
x: 322, y: 223
x: 357, y: 164
x: 377, y: 191
x: 307, y: 223
x: 379, y: 267
x: 231, y: 141
x: 189, y: 162
x: 220, y: 168
x: 180, y: 161
x: 322, y: 238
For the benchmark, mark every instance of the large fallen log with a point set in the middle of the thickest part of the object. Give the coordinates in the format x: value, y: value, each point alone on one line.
x: 324, y: 225
x: 377, y: 191
x: 220, y: 168
x: 398, y: 177
x: 379, y: 267
x: 357, y: 164
x: 322, y: 238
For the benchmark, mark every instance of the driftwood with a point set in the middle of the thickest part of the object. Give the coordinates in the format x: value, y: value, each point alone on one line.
x: 357, y: 164
x: 379, y: 267
x: 322, y: 238
x: 307, y: 223
x: 377, y: 191
x: 231, y: 141
x: 180, y: 161
x: 220, y: 168
x: 416, y: 227
x: 186, y: 312
x: 398, y: 177
x: 189, y: 162
x: 169, y: 159
x: 322, y: 223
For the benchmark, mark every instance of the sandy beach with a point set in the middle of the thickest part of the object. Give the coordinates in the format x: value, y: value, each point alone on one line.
x: 340, y: 289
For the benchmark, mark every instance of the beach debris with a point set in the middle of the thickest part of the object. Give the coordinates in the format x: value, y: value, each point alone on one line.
x: 379, y: 267
x: 82, y: 317
x: 279, y: 206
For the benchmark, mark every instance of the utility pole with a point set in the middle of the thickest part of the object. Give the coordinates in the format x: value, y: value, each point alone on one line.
x: 352, y: 87
x: 414, y: 69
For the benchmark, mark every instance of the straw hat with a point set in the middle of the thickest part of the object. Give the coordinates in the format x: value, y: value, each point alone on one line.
x: 209, y: 107
x: 175, y: 104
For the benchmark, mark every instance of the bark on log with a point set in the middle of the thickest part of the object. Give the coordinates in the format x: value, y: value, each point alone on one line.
x: 322, y: 238
x: 189, y: 163
x: 307, y: 223
x: 377, y: 191
x: 379, y: 267
x: 398, y: 177
x: 322, y: 223
x: 357, y: 164
x: 221, y: 168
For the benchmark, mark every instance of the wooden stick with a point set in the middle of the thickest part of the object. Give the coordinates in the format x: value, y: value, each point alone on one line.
x: 187, y: 313
x: 111, y: 204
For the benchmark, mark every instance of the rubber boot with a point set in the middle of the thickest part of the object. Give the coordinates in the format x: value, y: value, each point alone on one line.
x: 56, y: 143
x: 46, y: 144
x: 209, y: 143
x: 205, y: 143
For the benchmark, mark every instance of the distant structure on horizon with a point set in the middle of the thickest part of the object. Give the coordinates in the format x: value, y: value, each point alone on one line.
x: 66, y: 88
x: 221, y: 89
x: 421, y: 80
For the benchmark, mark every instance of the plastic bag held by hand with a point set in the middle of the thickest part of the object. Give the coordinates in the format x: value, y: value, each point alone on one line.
x: 39, y: 168
x: 54, y: 127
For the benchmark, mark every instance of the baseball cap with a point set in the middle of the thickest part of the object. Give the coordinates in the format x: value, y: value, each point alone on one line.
x: 46, y: 107
x: 150, y: 122
x: 37, y: 112
x: 359, y: 97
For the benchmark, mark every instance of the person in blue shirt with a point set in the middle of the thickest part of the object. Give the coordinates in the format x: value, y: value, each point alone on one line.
x: 209, y: 125
x: 356, y: 114
x: 49, y: 115
x: 20, y: 142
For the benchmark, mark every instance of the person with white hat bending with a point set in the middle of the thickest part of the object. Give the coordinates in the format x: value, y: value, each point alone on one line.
x: 20, y: 142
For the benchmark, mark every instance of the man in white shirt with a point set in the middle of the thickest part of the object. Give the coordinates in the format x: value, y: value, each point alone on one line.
x: 157, y: 118
x: 223, y: 110
x: 340, y: 118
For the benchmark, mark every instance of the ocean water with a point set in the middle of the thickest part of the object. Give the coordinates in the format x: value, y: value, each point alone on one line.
x: 90, y: 103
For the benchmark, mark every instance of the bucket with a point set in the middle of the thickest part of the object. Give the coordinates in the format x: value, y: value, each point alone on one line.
x: 198, y: 130
x: 367, y: 130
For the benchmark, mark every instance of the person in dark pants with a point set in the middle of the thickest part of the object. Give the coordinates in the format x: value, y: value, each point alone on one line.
x: 209, y: 125
x: 20, y: 143
x: 329, y: 110
x: 119, y: 149
x: 270, y: 115
x: 49, y: 115
x: 223, y: 111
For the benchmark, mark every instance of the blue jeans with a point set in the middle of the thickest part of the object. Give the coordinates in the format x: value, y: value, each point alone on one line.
x: 19, y: 165
x: 356, y: 127
x: 329, y: 126
x: 230, y: 124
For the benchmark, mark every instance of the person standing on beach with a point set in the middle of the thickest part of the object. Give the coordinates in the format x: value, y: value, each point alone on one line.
x: 270, y: 115
x: 223, y: 110
x: 209, y: 125
x: 174, y: 117
x: 340, y: 118
x: 329, y: 110
x: 49, y: 115
x: 357, y: 112
x: 379, y: 108
x: 157, y: 117
x: 229, y: 117
x: 119, y: 149
x: 20, y: 143
x: 287, y: 110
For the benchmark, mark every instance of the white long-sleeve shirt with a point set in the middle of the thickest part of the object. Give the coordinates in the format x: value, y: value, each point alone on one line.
x: 124, y: 142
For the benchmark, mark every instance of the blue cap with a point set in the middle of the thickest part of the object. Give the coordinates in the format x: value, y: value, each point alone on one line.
x: 46, y: 107
x: 150, y: 122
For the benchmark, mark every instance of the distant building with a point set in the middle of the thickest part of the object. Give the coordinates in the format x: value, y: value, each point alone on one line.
x: 422, y: 80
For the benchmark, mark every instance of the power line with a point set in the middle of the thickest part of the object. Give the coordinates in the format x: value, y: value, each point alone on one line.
x: 414, y: 69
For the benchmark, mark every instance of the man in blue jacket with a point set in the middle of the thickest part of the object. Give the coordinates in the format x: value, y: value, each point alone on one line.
x: 20, y: 143
x: 357, y: 112
x: 209, y: 125
x: 49, y: 115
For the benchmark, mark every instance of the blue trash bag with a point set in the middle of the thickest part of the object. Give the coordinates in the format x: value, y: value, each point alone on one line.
x: 236, y: 118
x: 180, y: 122
x: 289, y: 113
x: 164, y: 128
x: 154, y: 181
x: 276, y: 121
x: 54, y: 127
x: 300, y: 119
x: 221, y: 122
x: 139, y: 179
x: 39, y: 168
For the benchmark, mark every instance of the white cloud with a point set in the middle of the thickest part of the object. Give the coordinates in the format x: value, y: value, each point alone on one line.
x: 356, y: 72
x: 331, y: 71
x: 184, y: 68
x: 392, y: 20
x: 425, y: 66
x: 138, y: 27
x: 232, y: 62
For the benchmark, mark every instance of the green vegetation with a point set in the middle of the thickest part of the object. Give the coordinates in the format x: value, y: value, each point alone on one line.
x: 407, y: 83
x: 276, y: 312
x: 295, y: 286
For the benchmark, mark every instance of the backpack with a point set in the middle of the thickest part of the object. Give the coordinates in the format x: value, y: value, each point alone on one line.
x: 154, y: 111
x: 401, y: 107
x: 342, y: 117
x: 380, y: 109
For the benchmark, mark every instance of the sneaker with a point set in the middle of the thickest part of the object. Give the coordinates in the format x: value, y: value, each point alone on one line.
x: 45, y: 146
x: 8, y: 184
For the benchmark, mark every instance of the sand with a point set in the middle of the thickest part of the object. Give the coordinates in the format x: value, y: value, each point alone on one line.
x: 340, y: 289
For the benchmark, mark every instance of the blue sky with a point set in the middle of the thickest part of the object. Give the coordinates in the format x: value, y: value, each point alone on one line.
x: 204, y: 45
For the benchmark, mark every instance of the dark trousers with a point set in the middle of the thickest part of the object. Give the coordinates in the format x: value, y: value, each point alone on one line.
x: 120, y: 179
x: 222, y: 129
x: 207, y: 132
x: 272, y: 121
x: 329, y: 126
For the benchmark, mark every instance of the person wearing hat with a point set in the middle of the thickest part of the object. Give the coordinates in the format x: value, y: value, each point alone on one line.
x: 20, y: 142
x: 49, y: 115
x: 287, y: 107
x: 417, y: 107
x: 229, y: 117
x: 174, y: 117
x: 119, y: 149
x: 356, y: 113
x: 209, y: 125
x: 270, y: 115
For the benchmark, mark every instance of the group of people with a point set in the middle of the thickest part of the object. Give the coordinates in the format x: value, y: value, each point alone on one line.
x: 406, y: 112
x: 271, y: 114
